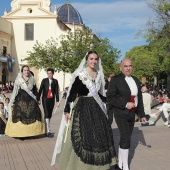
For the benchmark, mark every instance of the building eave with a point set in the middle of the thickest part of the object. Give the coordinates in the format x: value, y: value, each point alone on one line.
x: 30, y: 17
x: 58, y: 20
x: 47, y: 14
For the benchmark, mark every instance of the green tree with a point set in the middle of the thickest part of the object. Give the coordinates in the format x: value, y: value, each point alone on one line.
x: 44, y: 55
x: 109, y: 56
x: 67, y: 55
x: 143, y: 60
x: 158, y: 34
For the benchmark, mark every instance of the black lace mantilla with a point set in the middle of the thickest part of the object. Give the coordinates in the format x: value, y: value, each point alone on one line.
x: 25, y: 109
x: 91, y: 133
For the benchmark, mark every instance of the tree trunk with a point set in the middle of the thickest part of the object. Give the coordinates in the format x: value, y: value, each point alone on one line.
x: 155, y: 80
x: 168, y: 81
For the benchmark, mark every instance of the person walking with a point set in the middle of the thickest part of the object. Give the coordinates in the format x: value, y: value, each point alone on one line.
x: 125, y: 98
x: 49, y: 89
x: 88, y: 142
x: 25, y: 118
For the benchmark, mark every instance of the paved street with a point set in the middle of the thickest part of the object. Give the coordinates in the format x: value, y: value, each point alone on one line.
x: 150, y: 149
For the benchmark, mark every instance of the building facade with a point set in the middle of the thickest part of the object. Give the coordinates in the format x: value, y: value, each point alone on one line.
x: 30, y: 21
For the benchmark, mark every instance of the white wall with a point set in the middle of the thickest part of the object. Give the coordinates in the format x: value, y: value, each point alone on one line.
x: 45, y: 27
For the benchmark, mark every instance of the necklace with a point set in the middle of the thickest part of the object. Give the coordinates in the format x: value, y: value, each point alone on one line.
x: 92, y: 74
x: 26, y: 79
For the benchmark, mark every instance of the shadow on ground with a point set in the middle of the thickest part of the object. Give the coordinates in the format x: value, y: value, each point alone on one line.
x: 136, y: 139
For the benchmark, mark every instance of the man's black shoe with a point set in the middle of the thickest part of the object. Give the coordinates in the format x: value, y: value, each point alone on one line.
x: 49, y: 135
x: 117, y: 167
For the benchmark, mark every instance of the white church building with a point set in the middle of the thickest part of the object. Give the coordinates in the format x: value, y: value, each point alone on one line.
x: 30, y: 21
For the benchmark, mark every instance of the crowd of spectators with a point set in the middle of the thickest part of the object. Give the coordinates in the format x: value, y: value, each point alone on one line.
x: 8, y: 87
x: 156, y: 102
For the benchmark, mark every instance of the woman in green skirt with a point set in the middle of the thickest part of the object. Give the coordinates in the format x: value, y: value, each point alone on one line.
x: 85, y: 140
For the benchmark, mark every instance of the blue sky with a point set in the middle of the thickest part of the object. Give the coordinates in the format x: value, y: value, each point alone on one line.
x: 118, y: 20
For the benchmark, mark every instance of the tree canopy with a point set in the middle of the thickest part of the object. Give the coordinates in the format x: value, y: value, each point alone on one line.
x: 158, y: 32
x: 157, y: 35
x: 66, y: 54
x: 143, y: 60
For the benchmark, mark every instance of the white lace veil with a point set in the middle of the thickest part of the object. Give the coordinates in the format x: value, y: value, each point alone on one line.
x: 14, y: 94
x: 82, y: 65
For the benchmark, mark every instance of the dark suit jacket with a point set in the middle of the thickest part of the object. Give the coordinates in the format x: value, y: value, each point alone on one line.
x: 119, y: 94
x: 44, y: 87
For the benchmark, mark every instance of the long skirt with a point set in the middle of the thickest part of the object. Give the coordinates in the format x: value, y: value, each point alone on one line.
x: 26, y: 117
x: 89, y: 144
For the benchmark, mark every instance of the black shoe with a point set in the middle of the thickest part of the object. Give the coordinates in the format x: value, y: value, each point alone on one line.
x: 49, y: 135
x: 23, y: 138
x: 117, y: 167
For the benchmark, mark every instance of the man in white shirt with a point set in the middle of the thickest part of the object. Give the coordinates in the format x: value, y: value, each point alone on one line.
x: 125, y: 98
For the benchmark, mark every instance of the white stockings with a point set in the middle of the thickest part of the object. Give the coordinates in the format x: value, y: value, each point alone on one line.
x: 47, y: 121
x: 123, y: 158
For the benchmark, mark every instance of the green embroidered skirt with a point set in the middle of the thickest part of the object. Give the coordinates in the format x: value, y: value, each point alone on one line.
x: 89, y: 144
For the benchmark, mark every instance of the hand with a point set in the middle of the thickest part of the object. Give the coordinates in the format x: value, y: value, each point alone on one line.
x: 39, y: 102
x: 57, y: 104
x: 130, y: 105
x: 67, y: 116
x: 143, y: 120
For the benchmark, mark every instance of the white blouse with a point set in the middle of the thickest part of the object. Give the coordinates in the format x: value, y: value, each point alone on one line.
x: 17, y: 86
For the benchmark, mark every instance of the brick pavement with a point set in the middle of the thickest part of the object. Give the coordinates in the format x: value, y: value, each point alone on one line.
x: 149, y: 150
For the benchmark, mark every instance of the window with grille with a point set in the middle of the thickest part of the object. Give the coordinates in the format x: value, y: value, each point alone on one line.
x: 29, y: 31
